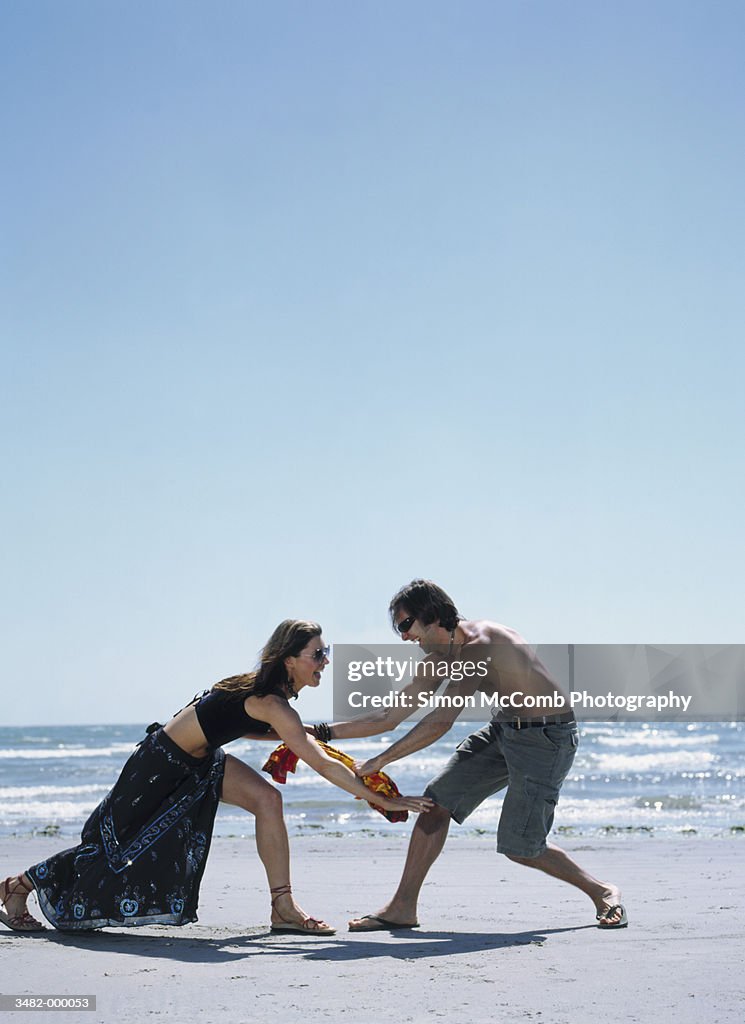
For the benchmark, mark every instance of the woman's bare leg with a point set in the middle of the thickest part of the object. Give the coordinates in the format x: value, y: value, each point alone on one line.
x: 244, y: 787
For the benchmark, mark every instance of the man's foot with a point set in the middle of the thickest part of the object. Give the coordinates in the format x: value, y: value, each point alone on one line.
x: 614, y: 917
x: 376, y: 923
x: 396, y: 914
x: 293, y: 918
x: 610, y: 911
x: 14, y: 893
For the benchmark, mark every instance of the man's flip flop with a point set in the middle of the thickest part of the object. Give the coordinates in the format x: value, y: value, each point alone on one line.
x: 375, y: 923
x: 610, y: 912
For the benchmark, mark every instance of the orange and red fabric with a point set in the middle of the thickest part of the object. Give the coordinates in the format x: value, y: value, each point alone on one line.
x: 282, y: 760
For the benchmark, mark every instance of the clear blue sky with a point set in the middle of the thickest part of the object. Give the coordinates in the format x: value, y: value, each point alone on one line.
x: 303, y: 300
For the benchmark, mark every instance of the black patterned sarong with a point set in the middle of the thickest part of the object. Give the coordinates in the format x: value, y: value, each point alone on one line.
x: 143, y: 849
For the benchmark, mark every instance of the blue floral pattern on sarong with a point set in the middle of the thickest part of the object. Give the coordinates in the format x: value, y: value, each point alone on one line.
x: 163, y: 805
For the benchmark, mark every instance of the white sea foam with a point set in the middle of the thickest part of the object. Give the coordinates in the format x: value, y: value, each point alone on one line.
x: 34, y: 792
x: 621, y: 812
x: 64, y: 752
x: 672, y: 761
x: 653, y: 738
x: 46, y: 812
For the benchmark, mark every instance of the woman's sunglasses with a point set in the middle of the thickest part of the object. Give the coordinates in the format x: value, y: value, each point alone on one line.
x: 320, y: 653
x: 405, y: 624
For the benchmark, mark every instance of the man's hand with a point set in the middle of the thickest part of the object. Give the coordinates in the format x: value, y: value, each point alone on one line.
x: 375, y: 764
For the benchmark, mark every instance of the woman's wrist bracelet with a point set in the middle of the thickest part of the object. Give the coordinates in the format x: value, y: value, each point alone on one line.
x: 322, y: 732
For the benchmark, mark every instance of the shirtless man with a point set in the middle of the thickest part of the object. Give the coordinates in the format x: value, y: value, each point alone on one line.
x: 525, y: 751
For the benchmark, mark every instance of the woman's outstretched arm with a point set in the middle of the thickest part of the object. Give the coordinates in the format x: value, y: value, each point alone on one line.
x: 287, y: 724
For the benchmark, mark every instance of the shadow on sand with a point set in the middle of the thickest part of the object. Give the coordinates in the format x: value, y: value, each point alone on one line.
x: 227, y: 948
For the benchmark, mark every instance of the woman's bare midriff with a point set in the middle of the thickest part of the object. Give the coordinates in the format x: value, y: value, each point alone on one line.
x: 186, y: 732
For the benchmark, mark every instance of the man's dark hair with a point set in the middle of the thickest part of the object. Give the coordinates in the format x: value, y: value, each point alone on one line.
x: 428, y: 602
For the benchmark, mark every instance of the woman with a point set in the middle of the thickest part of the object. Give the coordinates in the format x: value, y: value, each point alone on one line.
x: 143, y: 849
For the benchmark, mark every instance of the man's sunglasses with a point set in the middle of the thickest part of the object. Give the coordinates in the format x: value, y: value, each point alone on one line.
x: 405, y: 624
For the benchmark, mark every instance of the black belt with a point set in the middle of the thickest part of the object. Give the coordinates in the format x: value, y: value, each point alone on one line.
x: 528, y: 723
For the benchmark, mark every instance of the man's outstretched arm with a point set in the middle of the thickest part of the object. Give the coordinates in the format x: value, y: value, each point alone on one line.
x: 422, y: 735
x: 387, y: 719
x: 431, y: 728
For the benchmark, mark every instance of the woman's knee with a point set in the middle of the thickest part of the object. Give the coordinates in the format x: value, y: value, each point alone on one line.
x: 269, y: 801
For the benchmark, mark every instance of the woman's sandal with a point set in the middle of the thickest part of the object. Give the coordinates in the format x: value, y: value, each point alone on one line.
x: 18, y: 922
x: 310, y: 926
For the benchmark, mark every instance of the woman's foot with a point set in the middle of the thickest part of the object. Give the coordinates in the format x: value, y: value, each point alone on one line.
x: 14, y: 893
x: 287, y: 916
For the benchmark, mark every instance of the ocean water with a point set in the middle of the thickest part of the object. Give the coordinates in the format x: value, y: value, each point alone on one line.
x: 659, y: 779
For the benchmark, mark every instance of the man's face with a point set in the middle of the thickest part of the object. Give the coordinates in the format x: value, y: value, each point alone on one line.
x: 410, y: 628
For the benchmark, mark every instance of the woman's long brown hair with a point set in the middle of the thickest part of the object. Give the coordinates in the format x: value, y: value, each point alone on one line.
x: 287, y: 640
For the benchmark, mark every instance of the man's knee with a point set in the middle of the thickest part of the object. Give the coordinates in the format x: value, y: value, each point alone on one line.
x: 527, y: 861
x: 434, y: 820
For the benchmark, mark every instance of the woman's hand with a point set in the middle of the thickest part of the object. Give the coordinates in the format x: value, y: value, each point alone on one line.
x: 286, y: 722
x: 417, y: 804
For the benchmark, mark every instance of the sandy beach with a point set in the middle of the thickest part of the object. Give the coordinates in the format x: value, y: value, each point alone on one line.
x: 496, y: 940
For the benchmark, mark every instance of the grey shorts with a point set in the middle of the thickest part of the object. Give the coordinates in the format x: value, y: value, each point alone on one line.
x: 532, y: 763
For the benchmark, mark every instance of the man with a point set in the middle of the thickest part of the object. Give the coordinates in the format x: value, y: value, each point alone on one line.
x: 523, y: 750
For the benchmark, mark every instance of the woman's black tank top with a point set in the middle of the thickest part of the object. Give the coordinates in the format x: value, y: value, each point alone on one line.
x: 223, y: 718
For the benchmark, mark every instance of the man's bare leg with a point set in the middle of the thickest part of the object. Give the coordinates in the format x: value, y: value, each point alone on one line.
x: 425, y: 846
x: 555, y: 862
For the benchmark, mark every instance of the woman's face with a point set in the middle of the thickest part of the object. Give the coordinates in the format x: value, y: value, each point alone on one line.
x: 305, y: 668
